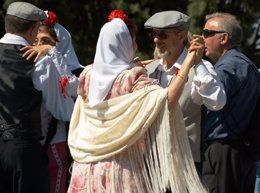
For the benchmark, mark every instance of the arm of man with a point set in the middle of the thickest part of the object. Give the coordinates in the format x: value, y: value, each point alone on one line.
x: 206, y: 87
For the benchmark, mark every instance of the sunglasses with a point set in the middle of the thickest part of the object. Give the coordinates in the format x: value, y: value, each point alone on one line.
x: 160, y: 34
x: 163, y: 34
x: 208, y: 33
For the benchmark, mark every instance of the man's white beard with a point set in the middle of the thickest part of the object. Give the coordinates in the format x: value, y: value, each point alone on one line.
x: 164, y: 54
x: 167, y: 52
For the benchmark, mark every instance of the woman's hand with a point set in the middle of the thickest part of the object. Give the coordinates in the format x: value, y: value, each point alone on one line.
x: 197, y: 44
x: 35, y: 52
x: 142, y: 63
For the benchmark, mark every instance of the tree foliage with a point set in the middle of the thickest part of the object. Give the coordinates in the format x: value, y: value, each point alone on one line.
x: 245, y: 11
x: 84, y: 18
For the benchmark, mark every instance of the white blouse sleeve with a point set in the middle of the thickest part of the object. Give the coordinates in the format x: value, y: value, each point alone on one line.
x: 206, y: 87
x: 58, y: 85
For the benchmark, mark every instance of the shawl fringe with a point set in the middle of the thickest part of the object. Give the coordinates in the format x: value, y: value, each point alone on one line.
x: 158, y: 151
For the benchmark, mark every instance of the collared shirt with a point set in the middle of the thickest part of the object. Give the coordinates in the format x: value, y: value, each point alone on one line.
x: 202, y: 87
x: 46, y: 76
x: 9, y: 38
x: 166, y: 75
x: 206, y: 87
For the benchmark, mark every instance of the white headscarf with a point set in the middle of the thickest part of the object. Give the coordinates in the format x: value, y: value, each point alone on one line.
x: 114, y: 54
x: 64, y: 45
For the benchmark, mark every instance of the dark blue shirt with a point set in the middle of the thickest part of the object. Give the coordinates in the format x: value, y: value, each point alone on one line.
x: 240, y: 78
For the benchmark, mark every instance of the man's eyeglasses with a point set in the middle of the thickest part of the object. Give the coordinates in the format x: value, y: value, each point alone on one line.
x: 164, y: 34
x: 161, y: 34
x: 207, y: 33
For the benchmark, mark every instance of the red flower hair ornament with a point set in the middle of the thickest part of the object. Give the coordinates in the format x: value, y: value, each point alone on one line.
x: 117, y: 14
x: 51, y: 19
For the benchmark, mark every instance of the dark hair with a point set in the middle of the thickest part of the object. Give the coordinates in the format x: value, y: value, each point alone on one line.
x: 132, y: 27
x: 51, y: 31
x: 14, y: 24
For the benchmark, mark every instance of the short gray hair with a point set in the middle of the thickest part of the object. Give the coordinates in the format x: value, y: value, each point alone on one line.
x: 228, y: 23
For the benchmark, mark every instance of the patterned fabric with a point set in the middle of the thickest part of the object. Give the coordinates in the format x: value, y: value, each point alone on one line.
x: 58, y: 167
x: 126, y: 82
x: 130, y: 143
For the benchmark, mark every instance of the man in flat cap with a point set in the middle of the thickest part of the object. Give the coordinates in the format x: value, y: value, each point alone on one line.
x: 169, y: 30
x: 23, y: 167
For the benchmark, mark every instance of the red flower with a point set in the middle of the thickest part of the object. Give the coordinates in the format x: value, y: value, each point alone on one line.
x: 63, y: 82
x: 117, y: 14
x: 177, y: 71
x: 51, y: 19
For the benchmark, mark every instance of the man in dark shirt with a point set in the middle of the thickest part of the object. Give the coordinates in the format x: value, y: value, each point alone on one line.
x: 23, y: 166
x: 227, y: 167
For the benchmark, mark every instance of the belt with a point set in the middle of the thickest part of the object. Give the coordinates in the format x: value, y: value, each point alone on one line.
x: 231, y: 142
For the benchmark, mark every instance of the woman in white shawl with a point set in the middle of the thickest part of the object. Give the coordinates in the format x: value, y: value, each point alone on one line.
x: 121, y: 137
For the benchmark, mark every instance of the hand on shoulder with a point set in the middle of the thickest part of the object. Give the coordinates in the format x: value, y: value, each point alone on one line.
x: 36, y: 52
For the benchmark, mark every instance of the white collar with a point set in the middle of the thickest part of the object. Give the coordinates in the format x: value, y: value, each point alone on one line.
x: 177, y: 64
x: 9, y: 38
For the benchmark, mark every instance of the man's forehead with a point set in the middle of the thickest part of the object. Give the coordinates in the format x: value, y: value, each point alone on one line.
x: 165, y: 30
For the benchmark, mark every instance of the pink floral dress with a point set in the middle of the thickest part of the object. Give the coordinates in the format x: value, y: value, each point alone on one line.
x: 96, y: 177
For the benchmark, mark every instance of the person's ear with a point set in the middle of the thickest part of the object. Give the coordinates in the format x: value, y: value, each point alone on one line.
x: 224, y: 38
x: 182, y: 35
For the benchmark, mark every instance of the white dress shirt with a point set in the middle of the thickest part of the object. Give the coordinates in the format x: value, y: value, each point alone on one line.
x: 206, y: 87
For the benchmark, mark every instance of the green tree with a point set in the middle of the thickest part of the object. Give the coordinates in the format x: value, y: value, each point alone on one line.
x: 245, y: 10
x: 84, y: 18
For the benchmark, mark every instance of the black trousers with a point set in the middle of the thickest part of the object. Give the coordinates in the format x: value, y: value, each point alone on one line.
x: 23, y: 167
x: 227, y: 168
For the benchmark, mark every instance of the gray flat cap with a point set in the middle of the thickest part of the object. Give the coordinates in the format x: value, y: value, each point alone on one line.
x: 168, y: 19
x: 26, y: 11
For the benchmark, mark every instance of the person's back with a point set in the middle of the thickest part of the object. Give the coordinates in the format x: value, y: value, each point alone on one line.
x: 110, y: 132
x: 16, y: 84
x: 23, y: 168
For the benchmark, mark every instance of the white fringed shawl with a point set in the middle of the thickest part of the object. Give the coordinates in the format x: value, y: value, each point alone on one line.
x: 111, y: 127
